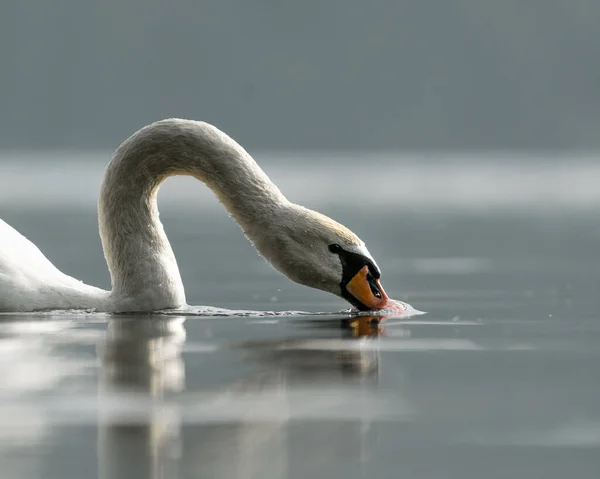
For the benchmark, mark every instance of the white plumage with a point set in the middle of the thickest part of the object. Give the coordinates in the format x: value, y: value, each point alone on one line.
x: 143, y: 269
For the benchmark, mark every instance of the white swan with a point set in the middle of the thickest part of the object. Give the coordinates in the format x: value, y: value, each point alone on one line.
x: 306, y: 246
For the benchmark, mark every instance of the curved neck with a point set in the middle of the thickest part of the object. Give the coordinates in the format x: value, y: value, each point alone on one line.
x: 140, y: 259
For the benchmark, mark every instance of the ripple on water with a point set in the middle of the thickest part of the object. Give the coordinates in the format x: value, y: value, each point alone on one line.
x: 398, y: 310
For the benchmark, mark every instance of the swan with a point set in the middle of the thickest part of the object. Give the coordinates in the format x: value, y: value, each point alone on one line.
x: 306, y: 246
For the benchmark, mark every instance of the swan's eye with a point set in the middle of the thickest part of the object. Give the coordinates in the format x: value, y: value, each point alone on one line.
x: 335, y: 248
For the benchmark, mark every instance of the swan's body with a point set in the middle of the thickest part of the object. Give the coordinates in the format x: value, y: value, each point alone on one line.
x: 307, y: 247
x: 29, y: 282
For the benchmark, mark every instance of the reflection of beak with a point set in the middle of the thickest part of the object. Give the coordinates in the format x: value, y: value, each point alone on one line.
x: 366, y: 326
x: 367, y: 290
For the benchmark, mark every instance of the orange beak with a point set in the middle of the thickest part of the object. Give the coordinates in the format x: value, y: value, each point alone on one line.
x: 362, y: 291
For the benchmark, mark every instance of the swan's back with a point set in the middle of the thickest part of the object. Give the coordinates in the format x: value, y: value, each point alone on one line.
x: 20, y: 259
x: 28, y: 281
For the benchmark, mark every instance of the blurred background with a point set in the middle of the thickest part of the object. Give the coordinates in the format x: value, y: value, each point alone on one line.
x: 305, y: 75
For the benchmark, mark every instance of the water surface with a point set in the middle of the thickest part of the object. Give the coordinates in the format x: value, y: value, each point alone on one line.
x: 499, y: 378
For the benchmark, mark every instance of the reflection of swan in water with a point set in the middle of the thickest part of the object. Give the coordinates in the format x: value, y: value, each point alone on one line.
x: 141, y: 359
x: 323, y: 360
x: 306, y: 246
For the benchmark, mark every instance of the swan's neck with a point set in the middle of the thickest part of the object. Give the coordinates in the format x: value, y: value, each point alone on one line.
x: 143, y: 268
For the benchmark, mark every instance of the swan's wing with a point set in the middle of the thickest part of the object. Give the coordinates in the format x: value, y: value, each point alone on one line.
x: 29, y: 281
x: 20, y: 259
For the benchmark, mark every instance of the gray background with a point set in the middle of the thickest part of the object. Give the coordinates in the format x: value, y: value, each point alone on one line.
x: 310, y: 74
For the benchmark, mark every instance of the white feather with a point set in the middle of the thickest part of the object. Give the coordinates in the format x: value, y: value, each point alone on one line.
x: 144, y: 272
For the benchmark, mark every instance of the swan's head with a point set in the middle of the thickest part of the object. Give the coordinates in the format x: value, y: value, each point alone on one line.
x: 313, y: 250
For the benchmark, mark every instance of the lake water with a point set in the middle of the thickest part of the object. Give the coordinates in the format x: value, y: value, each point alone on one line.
x: 499, y: 379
